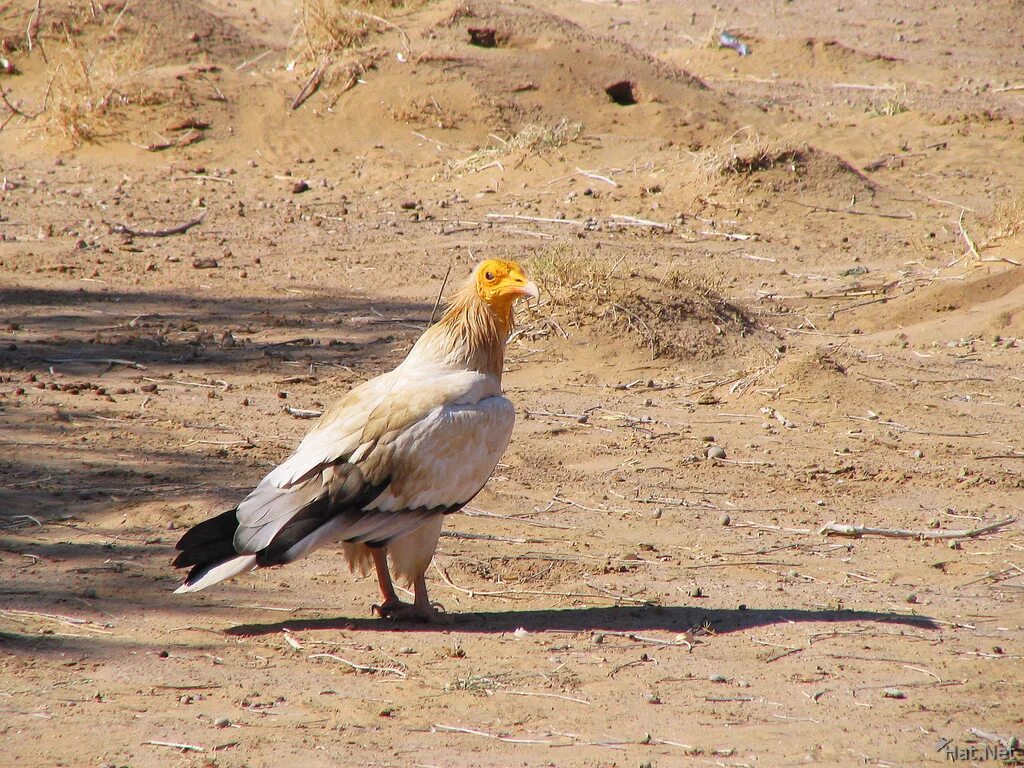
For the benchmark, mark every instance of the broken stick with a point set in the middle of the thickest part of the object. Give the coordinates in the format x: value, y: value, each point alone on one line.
x: 124, y: 229
x: 858, y: 531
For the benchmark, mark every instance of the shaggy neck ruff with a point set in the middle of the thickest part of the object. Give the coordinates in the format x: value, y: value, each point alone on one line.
x: 472, y: 333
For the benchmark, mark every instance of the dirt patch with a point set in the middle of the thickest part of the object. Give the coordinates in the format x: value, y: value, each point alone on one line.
x: 779, y: 290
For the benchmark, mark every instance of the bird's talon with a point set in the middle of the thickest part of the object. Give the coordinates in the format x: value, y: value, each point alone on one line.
x: 388, y: 610
x: 400, y: 610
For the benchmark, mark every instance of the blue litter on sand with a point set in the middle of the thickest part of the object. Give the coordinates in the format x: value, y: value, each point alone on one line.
x: 728, y: 41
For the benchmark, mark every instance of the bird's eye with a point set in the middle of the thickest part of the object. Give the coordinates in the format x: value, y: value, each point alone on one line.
x: 489, y: 275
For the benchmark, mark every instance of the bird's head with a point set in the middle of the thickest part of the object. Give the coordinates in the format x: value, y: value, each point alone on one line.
x: 499, y: 283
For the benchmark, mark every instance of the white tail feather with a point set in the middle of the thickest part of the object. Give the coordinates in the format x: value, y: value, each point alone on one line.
x: 227, y: 569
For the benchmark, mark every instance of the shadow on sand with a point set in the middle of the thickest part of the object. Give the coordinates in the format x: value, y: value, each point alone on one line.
x: 613, y: 619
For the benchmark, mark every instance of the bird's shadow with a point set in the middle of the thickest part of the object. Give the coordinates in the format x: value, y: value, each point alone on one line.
x: 612, y: 619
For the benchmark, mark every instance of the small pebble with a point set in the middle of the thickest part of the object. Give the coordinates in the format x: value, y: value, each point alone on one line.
x: 652, y: 698
x: 657, y: 513
x: 718, y: 678
x: 894, y: 693
x: 912, y: 598
x: 222, y: 722
x: 725, y: 520
x: 695, y: 592
x: 299, y: 187
x: 917, y: 455
x: 716, y: 452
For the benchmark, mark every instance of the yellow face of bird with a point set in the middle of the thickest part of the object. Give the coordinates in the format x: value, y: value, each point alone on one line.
x: 499, y: 283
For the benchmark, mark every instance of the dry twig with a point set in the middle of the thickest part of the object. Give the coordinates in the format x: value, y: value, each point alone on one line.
x: 437, y: 302
x: 545, y: 695
x: 302, y: 413
x: 104, y: 360
x: 180, y: 229
x: 859, y: 531
x: 33, y: 25
x: 473, y: 732
x: 174, y: 745
x: 312, y: 84
x: 358, y: 667
x: 967, y: 237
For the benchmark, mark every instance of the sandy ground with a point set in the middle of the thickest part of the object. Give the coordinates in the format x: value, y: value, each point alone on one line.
x: 808, y: 257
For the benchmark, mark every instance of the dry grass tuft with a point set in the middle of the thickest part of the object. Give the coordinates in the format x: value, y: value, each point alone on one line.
x: 328, y: 28
x: 706, y: 289
x: 750, y: 155
x: 888, y: 103
x: 584, y: 289
x: 1006, y: 219
x: 427, y: 112
x: 332, y: 38
x: 89, y: 87
x: 577, y: 281
x: 531, y: 140
x: 681, y: 315
x: 95, y: 59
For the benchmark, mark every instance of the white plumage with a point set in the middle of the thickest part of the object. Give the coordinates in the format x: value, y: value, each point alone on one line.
x: 383, y: 465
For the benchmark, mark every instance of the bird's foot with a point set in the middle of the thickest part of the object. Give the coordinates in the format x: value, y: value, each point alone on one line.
x: 396, y: 610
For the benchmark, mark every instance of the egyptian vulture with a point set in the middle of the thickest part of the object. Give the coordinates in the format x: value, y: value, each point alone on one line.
x: 384, y: 464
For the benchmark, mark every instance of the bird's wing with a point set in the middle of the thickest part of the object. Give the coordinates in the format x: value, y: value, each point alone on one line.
x: 335, y: 435
x: 374, y: 467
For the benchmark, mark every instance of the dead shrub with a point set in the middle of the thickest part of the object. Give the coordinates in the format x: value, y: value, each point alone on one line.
x: 680, y: 315
x: 528, y: 141
x: 748, y: 156
x: 328, y: 28
x: 89, y: 88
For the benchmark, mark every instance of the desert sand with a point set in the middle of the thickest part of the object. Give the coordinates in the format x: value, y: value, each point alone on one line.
x: 779, y: 291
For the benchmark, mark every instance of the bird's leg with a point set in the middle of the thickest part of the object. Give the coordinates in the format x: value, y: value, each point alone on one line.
x: 424, y: 608
x: 392, y: 607
x: 391, y: 604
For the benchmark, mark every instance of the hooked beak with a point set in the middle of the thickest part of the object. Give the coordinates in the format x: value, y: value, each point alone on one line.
x: 529, y: 291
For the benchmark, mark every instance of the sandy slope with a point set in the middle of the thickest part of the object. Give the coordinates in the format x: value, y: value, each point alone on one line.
x: 807, y: 299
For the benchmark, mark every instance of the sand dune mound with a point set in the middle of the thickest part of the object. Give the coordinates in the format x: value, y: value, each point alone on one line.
x: 754, y: 164
x: 678, y: 316
x: 988, y: 304
x: 186, y: 31
x: 543, y: 68
x: 820, y: 375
